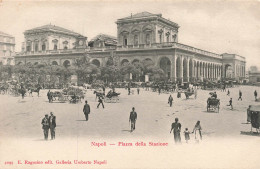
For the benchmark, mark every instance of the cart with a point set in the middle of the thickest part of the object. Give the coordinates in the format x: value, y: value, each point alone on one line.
x: 213, y: 104
x: 253, y: 116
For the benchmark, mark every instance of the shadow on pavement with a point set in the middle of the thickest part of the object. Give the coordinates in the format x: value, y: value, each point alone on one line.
x: 40, y: 140
x: 249, y: 133
x: 126, y: 130
x: 80, y: 120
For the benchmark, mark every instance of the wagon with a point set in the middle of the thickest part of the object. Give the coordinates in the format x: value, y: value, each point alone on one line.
x: 58, y: 96
x: 213, y: 104
x: 112, y: 97
x: 253, y: 116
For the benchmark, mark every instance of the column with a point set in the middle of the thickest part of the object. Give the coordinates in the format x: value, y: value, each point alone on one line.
x: 173, y: 69
x: 188, y: 69
x: 181, y: 69
x: 206, y: 70
x: 32, y: 46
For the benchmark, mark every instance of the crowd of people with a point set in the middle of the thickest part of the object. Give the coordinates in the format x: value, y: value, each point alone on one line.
x: 49, y: 122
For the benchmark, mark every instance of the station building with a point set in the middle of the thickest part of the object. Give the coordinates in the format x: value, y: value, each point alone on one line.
x: 142, y: 37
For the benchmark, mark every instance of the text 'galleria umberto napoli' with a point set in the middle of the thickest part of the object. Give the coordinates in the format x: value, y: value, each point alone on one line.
x: 141, y: 37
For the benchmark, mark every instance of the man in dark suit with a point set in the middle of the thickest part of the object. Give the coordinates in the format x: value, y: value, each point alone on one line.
x: 45, y: 126
x: 133, y: 118
x: 86, y: 110
x: 52, y: 122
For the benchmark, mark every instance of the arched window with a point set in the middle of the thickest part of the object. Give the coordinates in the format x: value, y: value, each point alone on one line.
x: 43, y: 47
x: 174, y: 38
x: 125, y: 40
x: 136, y: 40
x: 147, y: 39
x: 65, y: 45
x: 28, y: 46
x: 55, y: 47
x: 168, y: 38
x: 36, y: 47
x: 160, y: 38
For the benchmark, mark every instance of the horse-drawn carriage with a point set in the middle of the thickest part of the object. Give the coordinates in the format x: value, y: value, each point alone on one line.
x: 112, y: 97
x: 58, y: 96
x: 213, y: 104
x: 253, y: 117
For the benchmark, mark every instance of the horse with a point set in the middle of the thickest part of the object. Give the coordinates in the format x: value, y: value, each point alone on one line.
x: 36, y: 90
x: 22, y: 91
x: 98, y: 94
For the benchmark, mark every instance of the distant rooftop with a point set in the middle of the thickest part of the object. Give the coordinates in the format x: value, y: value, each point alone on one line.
x: 141, y: 15
x: 53, y: 28
x: 5, y: 34
x: 146, y: 15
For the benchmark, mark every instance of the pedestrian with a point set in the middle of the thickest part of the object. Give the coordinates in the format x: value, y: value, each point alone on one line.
x: 132, y: 119
x: 195, y: 93
x: 179, y: 94
x: 230, y: 103
x: 100, y: 101
x: 86, y: 110
x: 197, y: 129
x: 129, y: 90
x: 159, y: 90
x: 104, y: 89
x: 45, y: 126
x: 240, y: 95
x: 187, y: 135
x: 49, y: 96
x: 228, y: 92
x: 176, y: 127
x: 138, y: 90
x: 255, y: 93
x: 249, y: 114
x: 52, y: 121
x: 170, y: 100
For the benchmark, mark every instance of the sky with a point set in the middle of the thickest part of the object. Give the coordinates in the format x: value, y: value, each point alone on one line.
x: 215, y: 26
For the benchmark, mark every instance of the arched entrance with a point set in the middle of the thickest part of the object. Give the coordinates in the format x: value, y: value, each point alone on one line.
x: 124, y: 62
x: 165, y: 65
x: 96, y: 62
x: 54, y: 63
x: 66, y: 63
x: 135, y: 62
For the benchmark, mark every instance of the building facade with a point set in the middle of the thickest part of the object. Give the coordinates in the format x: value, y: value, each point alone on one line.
x: 143, y: 37
x: 7, y: 49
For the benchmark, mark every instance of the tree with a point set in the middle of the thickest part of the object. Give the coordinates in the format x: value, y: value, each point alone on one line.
x: 86, y: 71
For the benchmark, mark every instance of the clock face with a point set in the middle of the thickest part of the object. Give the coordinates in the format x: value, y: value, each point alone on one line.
x: 81, y: 42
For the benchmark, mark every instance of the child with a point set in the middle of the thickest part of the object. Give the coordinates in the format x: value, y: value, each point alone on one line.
x: 187, y: 135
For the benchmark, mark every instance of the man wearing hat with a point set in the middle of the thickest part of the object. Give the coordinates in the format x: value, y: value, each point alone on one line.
x: 45, y: 126
x: 86, y: 110
x: 133, y: 118
x: 52, y: 121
